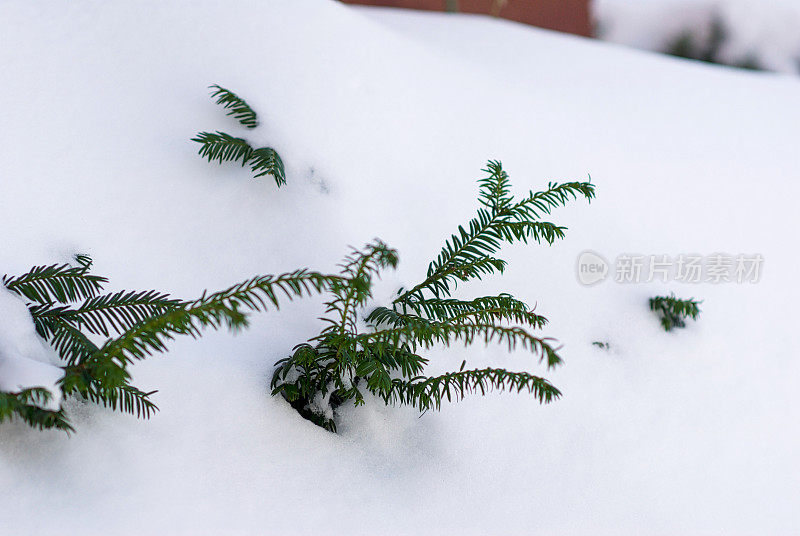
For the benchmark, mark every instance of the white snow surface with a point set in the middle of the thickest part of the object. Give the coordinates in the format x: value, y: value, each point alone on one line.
x: 25, y: 360
x: 384, y: 119
x: 765, y: 30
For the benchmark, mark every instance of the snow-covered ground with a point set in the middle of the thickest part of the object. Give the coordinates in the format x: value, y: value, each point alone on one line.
x: 764, y: 31
x: 384, y: 119
x: 25, y: 359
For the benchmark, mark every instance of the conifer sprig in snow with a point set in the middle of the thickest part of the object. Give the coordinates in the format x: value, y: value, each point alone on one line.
x: 50, y: 292
x: 355, y: 288
x: 428, y: 393
x: 27, y: 406
x: 471, y: 252
x: 337, y: 364
x: 502, y: 307
x: 236, y: 106
x: 673, y: 311
x: 106, y: 314
x: 227, y: 308
x: 416, y: 332
x: 125, y: 398
x: 56, y: 283
x: 266, y: 161
x: 62, y: 332
x: 222, y: 147
x: 135, y: 324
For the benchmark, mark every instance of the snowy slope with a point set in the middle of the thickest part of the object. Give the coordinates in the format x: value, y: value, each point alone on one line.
x: 384, y: 119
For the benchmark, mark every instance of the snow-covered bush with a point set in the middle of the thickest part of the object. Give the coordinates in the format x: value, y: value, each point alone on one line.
x: 709, y: 46
x: 741, y: 33
x: 342, y: 360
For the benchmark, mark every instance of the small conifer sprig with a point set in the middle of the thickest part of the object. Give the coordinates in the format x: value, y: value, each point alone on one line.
x: 673, y: 311
x: 236, y: 106
x: 57, y: 283
x: 471, y: 252
x: 343, y: 360
x: 266, y: 161
x: 135, y: 325
x: 222, y: 147
x: 218, y: 146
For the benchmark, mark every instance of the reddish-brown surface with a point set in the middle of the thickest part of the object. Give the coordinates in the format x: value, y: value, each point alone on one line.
x: 564, y: 15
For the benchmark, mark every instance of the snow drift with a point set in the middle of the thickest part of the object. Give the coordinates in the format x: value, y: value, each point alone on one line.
x: 384, y: 120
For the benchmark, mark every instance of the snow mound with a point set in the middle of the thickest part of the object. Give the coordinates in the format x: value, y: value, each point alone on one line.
x: 25, y: 361
x: 384, y: 119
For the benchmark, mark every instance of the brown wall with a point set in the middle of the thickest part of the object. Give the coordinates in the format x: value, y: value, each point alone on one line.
x: 570, y: 16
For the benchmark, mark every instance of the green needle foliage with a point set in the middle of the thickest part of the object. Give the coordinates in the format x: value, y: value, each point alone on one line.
x: 226, y: 148
x: 57, y: 283
x: 69, y: 313
x: 343, y: 360
x: 265, y: 161
x: 236, y: 106
x: 27, y: 405
x: 673, y: 311
x: 221, y: 147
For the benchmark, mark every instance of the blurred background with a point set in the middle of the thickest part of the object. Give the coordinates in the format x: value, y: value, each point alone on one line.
x: 750, y: 34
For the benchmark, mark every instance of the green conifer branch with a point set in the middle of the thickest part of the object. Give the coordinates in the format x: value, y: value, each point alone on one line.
x: 119, y: 312
x: 673, y: 311
x: 125, y: 398
x: 27, y: 406
x: 55, y: 283
x: 142, y: 323
x: 337, y: 364
x: 102, y: 315
x: 415, y: 331
x: 225, y: 308
x: 470, y: 253
x: 388, y: 358
x: 266, y: 161
x: 429, y: 393
x: 355, y: 287
x: 236, y: 106
x: 66, y: 339
x: 495, y: 190
x: 223, y: 147
x: 488, y: 308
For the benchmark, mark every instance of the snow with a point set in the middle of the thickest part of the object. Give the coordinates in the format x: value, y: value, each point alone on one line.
x: 384, y: 119
x: 25, y: 360
x: 766, y: 31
